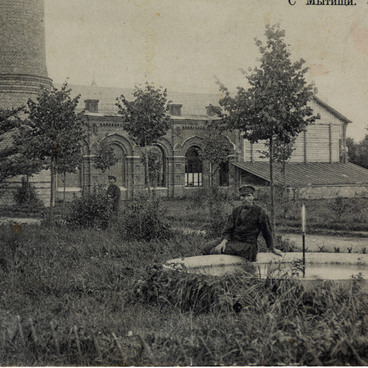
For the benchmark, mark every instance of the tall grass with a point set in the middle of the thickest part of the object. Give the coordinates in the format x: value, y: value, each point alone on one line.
x: 87, y: 297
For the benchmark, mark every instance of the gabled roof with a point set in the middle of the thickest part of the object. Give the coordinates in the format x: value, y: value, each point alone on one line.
x: 309, y: 174
x: 331, y: 110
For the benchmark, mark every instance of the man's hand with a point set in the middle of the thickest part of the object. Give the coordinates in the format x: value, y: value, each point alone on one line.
x: 276, y: 251
x: 219, y: 249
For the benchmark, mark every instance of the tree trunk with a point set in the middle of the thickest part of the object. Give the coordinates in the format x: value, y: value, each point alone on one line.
x: 28, y: 190
x: 147, y: 170
x: 211, y: 177
x: 273, y: 222
x: 64, y: 194
x: 52, y: 191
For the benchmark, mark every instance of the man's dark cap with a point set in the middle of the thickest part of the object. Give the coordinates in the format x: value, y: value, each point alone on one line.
x: 112, y: 177
x: 246, y: 189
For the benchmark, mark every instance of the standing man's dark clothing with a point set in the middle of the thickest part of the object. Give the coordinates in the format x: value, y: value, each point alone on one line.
x: 113, y: 194
x: 242, y: 229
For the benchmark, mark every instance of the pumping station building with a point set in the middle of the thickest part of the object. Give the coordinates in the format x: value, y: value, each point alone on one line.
x: 318, y: 167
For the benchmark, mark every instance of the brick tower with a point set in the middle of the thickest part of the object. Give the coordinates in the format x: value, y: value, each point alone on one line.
x: 22, y: 51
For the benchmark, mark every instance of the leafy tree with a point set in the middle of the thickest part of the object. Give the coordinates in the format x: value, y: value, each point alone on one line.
x: 68, y: 164
x: 53, y: 132
x: 12, y: 160
x: 275, y: 106
x: 214, y: 148
x: 281, y: 153
x: 105, y: 157
x: 358, y: 152
x: 145, y: 118
x: 352, y: 149
x: 154, y: 164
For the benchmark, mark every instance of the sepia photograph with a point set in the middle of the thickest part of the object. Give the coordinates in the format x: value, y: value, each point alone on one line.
x: 183, y: 183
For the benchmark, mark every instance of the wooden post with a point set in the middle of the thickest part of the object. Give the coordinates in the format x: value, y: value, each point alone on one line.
x: 303, y: 237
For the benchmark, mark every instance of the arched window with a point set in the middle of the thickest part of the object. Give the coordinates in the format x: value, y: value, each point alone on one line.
x: 224, y: 174
x: 193, y: 168
x: 157, y: 163
x: 119, y: 168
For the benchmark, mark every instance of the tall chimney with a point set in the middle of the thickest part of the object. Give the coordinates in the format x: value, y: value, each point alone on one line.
x: 23, y: 55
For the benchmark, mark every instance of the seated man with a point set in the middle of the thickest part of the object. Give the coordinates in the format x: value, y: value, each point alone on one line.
x: 242, y: 228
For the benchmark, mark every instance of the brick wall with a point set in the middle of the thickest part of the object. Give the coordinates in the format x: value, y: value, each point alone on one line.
x: 22, y: 37
x: 23, y: 55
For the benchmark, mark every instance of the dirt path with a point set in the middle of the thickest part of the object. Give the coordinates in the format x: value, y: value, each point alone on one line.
x: 329, y: 243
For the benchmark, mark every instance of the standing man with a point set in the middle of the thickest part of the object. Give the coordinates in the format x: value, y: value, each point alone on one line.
x: 242, y: 228
x: 113, y: 194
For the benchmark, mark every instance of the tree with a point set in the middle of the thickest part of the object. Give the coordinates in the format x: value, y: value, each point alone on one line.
x: 12, y: 160
x: 53, y: 132
x: 281, y: 153
x: 154, y: 164
x: 275, y: 106
x: 352, y: 149
x: 68, y: 163
x: 358, y: 152
x: 105, y: 157
x: 145, y: 119
x: 214, y: 149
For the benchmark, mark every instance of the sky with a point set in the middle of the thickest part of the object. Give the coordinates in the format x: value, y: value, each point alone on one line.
x: 186, y: 45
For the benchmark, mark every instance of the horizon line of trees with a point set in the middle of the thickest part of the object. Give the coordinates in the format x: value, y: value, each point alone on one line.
x: 358, y: 152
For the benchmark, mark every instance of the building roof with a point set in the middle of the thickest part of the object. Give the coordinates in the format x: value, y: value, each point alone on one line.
x: 193, y: 104
x: 309, y: 174
x: 331, y: 110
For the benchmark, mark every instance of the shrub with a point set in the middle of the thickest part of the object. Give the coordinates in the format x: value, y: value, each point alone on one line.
x: 219, y: 207
x: 90, y: 210
x: 143, y: 220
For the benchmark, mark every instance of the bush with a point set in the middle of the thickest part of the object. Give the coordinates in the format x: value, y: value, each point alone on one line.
x: 142, y: 220
x: 90, y: 210
x: 219, y: 207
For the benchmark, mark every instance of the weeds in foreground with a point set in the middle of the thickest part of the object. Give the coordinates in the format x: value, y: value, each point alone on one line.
x: 85, y: 297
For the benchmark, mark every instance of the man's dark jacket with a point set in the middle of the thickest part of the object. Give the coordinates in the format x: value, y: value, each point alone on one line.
x: 113, y: 193
x: 242, y: 229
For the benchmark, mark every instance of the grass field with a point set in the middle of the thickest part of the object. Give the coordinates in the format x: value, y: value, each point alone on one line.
x: 90, y: 297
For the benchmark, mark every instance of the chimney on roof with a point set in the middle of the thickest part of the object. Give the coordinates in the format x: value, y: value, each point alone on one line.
x: 175, y: 109
x: 91, y: 105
